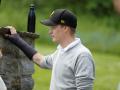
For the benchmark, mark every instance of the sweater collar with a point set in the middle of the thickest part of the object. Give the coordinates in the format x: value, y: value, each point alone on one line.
x: 74, y: 43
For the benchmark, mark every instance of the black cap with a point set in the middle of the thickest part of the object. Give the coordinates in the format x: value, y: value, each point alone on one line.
x: 61, y: 16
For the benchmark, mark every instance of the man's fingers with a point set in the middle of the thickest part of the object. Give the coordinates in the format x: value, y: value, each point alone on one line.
x: 12, y: 29
x: 7, y: 35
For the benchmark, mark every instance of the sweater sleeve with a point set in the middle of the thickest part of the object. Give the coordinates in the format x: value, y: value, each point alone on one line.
x: 48, y: 60
x: 84, y: 72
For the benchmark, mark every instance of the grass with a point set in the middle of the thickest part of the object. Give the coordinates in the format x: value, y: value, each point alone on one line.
x: 107, y: 71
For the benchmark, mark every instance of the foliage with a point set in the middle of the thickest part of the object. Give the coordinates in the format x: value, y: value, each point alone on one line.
x: 99, y: 32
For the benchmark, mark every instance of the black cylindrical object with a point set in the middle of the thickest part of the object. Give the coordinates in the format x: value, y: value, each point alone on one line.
x: 31, y: 19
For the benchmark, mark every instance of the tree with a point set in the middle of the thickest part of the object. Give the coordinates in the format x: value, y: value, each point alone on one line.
x: 116, y: 4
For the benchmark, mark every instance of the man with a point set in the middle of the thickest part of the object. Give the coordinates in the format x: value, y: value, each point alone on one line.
x: 72, y: 63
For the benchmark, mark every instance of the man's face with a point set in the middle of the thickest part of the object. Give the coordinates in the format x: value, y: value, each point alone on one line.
x: 57, y: 33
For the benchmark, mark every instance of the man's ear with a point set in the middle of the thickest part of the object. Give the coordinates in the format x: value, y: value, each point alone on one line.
x: 65, y: 28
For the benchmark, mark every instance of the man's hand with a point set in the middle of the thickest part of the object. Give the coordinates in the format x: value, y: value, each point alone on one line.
x: 7, y: 33
x: 12, y: 32
x: 12, y: 29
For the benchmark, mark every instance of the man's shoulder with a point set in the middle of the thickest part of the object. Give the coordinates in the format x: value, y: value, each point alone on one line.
x: 80, y: 49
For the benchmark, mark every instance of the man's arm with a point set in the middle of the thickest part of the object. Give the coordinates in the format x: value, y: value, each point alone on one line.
x: 30, y: 52
x: 38, y: 58
x: 44, y: 61
x: 84, y: 72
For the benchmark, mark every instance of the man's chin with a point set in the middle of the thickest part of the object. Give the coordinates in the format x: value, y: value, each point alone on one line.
x: 54, y: 40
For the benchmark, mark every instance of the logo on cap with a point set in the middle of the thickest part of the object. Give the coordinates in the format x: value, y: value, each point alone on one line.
x: 51, y: 13
x: 62, y: 21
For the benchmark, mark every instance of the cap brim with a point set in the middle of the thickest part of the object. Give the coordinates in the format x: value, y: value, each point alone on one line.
x: 47, y: 22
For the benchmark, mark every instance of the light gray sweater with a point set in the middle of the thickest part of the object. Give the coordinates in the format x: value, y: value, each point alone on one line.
x: 71, y: 70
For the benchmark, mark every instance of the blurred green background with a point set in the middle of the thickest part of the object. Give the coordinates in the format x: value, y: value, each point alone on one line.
x: 98, y: 28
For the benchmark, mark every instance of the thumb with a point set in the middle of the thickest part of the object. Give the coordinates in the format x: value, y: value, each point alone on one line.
x: 7, y: 36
